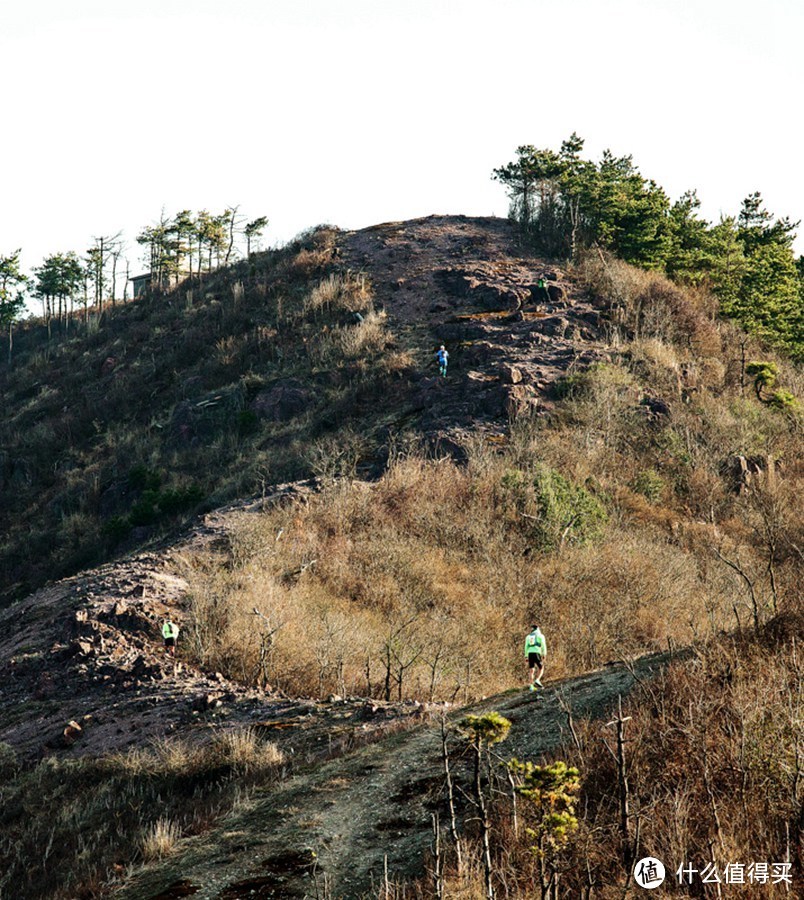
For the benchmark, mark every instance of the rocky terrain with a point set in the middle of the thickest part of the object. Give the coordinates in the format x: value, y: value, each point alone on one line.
x: 343, y: 823
x: 85, y: 672
x: 446, y: 279
x: 461, y: 281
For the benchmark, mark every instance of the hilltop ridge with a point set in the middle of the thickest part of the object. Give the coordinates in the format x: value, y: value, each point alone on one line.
x: 441, y: 278
x: 468, y: 283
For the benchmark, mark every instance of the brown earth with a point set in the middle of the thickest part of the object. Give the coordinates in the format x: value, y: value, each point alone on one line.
x: 84, y: 671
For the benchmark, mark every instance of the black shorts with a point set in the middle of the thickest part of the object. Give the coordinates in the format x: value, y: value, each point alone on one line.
x: 170, y: 642
x: 534, y: 660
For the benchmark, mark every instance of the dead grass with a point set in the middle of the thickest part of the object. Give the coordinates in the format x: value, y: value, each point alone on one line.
x: 172, y: 387
x: 64, y: 823
x: 338, y: 292
x: 160, y: 840
x: 713, y: 751
x: 365, y: 339
x: 422, y: 585
x: 245, y: 752
x: 648, y: 305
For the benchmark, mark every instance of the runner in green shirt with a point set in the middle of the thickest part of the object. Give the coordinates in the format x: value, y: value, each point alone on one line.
x: 536, y: 654
x: 170, y: 631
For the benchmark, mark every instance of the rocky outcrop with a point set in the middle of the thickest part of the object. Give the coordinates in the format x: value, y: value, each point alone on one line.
x: 495, y: 286
x: 282, y: 402
x: 743, y: 471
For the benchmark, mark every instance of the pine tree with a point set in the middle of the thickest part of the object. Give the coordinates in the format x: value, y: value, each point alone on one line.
x: 13, y: 284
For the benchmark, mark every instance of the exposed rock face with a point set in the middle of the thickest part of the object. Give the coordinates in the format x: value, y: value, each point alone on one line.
x: 282, y: 402
x: 522, y: 398
x: 468, y: 283
x: 656, y: 406
x: 489, y: 285
x: 445, y: 279
x: 510, y: 374
x: 743, y: 471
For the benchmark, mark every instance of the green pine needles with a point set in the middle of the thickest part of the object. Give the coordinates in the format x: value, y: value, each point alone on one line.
x: 566, y: 204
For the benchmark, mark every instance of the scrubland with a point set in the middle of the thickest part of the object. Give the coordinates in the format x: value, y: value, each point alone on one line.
x: 656, y: 504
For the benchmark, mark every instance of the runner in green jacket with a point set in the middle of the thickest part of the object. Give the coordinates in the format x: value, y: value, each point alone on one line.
x: 536, y: 654
x: 170, y: 631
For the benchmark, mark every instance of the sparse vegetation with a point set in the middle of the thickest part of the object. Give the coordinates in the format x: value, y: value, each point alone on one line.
x: 655, y: 504
x: 66, y: 827
x: 182, y: 400
x: 713, y: 765
x: 160, y: 840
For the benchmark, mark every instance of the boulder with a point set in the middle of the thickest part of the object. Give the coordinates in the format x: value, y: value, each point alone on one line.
x: 45, y: 687
x: 83, y: 647
x: 521, y: 398
x: 479, y: 353
x: 206, y: 702
x: 142, y: 668
x: 742, y: 471
x: 510, y: 374
x: 282, y: 402
x: 192, y: 387
x: 656, y: 406
x: 71, y: 733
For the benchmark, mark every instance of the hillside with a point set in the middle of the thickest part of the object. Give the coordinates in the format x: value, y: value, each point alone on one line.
x: 182, y: 401
x: 98, y: 633
x: 342, y: 821
x: 272, y: 455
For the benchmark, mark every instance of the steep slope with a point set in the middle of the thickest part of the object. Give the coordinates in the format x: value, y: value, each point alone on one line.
x: 85, y: 673
x: 323, y: 359
x: 443, y: 278
x: 337, y: 825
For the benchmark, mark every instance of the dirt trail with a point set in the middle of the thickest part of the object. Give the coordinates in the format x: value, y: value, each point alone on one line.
x: 443, y: 278
x: 338, y: 822
x: 87, y: 652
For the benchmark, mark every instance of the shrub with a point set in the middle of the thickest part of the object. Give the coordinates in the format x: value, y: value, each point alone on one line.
x: 141, y: 478
x: 160, y: 840
x: 650, y: 484
x: 648, y: 305
x: 145, y: 512
x: 764, y: 375
x: 784, y: 401
x: 116, y: 529
x: 566, y: 512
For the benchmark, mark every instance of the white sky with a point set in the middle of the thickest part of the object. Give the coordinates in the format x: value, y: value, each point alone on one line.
x: 361, y: 111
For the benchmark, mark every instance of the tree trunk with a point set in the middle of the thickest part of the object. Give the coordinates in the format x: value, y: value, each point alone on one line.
x: 485, y: 827
x: 114, y: 276
x: 231, y: 236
